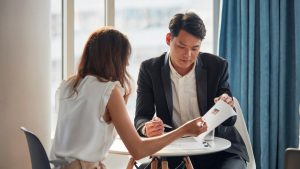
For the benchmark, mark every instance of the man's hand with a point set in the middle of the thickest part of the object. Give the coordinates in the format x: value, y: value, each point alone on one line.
x: 226, y: 98
x: 155, y: 127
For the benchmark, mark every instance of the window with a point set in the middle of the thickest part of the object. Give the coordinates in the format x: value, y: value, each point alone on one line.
x: 56, y: 56
x: 89, y: 16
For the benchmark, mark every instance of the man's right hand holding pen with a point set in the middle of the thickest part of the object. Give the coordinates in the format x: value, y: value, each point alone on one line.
x: 154, y: 127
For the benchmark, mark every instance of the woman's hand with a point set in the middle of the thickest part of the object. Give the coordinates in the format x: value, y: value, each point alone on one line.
x: 195, y: 127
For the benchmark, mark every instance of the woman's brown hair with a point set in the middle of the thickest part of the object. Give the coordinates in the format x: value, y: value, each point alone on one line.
x: 105, y: 56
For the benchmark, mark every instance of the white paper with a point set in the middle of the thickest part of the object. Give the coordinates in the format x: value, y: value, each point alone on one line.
x: 220, y: 112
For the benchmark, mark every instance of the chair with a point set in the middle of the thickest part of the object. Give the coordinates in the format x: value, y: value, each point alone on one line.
x: 38, y: 155
x: 292, y: 158
x: 242, y: 129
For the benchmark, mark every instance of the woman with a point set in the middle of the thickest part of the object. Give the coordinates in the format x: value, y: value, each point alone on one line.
x: 91, y: 105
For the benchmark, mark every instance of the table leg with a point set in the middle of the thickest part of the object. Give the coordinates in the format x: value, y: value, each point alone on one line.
x: 130, y: 164
x: 188, y: 163
x: 154, y: 163
x: 164, y: 164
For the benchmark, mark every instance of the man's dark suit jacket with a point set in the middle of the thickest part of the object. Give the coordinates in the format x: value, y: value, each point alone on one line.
x: 154, y: 94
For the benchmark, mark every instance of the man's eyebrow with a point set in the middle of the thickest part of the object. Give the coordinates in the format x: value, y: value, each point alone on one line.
x: 196, y: 46
x: 181, y: 43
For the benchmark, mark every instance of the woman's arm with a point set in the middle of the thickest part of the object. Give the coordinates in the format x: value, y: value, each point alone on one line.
x: 141, y: 147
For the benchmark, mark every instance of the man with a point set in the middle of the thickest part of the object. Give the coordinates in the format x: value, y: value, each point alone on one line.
x: 183, y: 84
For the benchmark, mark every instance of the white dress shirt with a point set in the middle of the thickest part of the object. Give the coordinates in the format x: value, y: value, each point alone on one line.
x: 184, y: 94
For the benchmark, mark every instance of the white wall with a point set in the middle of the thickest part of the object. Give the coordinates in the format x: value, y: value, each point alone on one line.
x: 24, y: 78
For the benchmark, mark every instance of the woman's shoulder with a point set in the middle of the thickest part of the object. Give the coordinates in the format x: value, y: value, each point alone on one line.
x: 106, y: 86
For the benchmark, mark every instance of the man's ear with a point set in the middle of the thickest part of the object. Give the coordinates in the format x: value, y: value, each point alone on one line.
x: 168, y: 38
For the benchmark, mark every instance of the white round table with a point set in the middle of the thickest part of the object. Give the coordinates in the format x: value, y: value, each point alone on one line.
x: 181, y: 147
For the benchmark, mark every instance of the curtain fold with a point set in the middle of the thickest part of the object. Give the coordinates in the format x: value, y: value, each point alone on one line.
x: 261, y: 41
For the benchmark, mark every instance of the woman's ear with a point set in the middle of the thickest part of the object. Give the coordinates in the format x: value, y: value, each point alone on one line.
x: 168, y: 38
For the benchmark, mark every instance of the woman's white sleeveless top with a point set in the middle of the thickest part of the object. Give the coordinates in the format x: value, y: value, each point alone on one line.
x: 81, y: 132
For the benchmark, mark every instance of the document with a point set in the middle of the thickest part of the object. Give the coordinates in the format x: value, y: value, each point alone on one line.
x: 220, y: 112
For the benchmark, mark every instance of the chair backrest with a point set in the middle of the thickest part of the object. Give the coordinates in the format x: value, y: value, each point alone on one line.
x: 38, y: 155
x: 240, y: 125
x: 292, y: 158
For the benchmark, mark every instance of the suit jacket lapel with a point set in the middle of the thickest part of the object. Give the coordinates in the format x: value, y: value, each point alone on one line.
x: 201, y: 85
x: 166, y: 80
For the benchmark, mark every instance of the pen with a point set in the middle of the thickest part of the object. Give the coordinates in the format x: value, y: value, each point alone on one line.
x: 168, y: 126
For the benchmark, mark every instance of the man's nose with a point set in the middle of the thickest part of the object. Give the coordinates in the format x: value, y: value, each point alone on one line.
x: 188, y: 52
